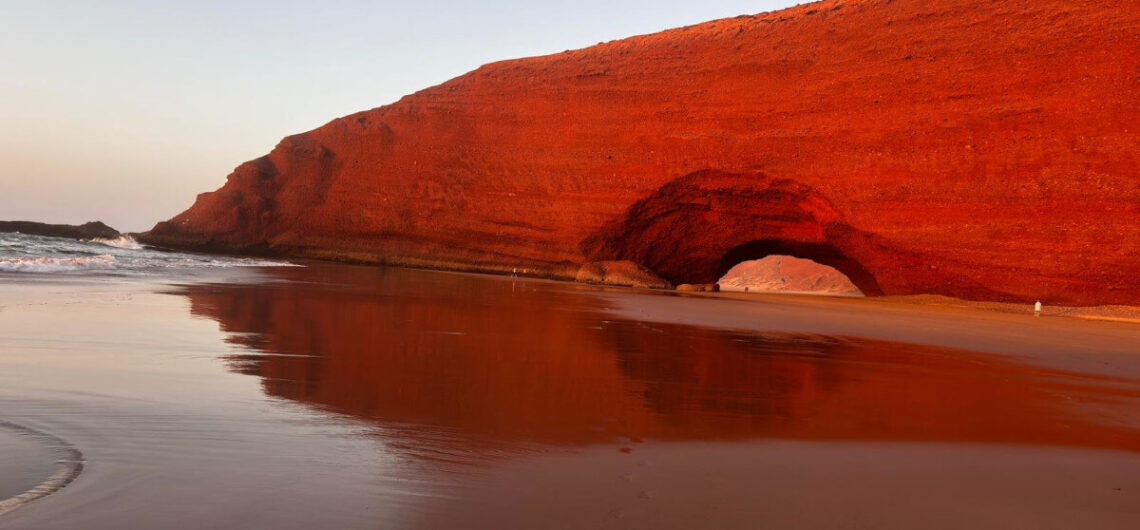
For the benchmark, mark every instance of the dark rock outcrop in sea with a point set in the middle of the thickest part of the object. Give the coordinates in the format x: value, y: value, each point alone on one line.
x: 91, y: 230
x: 981, y: 150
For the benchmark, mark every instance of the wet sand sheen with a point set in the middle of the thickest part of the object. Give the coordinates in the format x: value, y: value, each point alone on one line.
x: 24, y: 463
x: 526, y: 362
x: 357, y: 397
x: 804, y: 485
x: 33, y: 465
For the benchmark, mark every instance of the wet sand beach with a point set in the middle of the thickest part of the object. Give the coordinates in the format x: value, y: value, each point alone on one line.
x: 363, y: 397
x: 26, y: 462
x: 34, y: 465
x: 806, y: 484
x: 1108, y: 344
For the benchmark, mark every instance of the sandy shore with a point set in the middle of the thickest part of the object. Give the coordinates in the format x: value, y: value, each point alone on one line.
x: 33, y: 465
x: 791, y: 483
x: 24, y: 463
x: 1055, y: 340
x: 806, y: 485
x: 357, y: 397
x: 1119, y: 313
x: 1116, y: 313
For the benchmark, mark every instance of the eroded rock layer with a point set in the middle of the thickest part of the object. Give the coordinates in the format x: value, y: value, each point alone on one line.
x: 983, y: 150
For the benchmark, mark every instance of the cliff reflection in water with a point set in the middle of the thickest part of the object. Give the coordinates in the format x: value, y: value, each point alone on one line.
x: 448, y: 364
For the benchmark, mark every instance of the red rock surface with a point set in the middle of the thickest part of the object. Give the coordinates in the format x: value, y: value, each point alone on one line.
x: 787, y: 274
x: 625, y: 273
x: 983, y: 150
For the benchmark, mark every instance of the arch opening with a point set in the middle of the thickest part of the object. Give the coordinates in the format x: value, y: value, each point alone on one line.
x: 794, y: 266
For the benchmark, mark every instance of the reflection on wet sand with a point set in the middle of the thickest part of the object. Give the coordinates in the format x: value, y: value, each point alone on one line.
x: 450, y: 365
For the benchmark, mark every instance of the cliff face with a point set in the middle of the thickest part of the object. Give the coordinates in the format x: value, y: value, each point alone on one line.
x: 983, y: 150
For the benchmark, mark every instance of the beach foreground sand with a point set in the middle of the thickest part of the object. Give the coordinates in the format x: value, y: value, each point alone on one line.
x: 355, y: 397
x: 807, y: 485
x: 1101, y: 340
x: 25, y: 463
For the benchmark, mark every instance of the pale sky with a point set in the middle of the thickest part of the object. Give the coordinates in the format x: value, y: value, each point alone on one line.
x: 123, y: 111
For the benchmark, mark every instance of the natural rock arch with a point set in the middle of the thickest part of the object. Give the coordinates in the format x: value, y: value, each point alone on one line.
x: 697, y: 227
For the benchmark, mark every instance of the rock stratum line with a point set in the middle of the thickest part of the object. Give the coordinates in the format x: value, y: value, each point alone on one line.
x: 981, y: 150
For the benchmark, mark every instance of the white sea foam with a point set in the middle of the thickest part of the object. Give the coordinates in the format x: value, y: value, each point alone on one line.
x: 33, y: 254
x: 214, y: 263
x: 126, y: 242
x: 50, y: 264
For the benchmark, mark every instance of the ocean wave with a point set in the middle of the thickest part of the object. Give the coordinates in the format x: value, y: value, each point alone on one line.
x: 123, y: 255
x: 249, y: 262
x: 50, y: 264
x: 215, y: 263
x: 126, y: 242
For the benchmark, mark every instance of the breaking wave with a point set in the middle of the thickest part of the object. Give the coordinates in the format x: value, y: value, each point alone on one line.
x: 20, y: 253
x: 50, y: 264
x: 126, y: 242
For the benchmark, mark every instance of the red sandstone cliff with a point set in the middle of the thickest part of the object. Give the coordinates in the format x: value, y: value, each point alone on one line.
x: 984, y: 150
